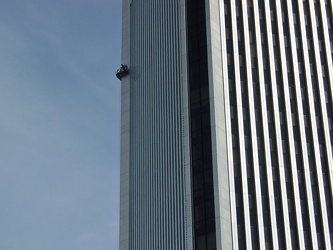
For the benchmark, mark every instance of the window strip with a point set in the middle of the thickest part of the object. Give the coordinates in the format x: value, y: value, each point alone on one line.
x: 277, y: 130
x: 289, y: 125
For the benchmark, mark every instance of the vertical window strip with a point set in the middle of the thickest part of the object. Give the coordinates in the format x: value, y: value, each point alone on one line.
x: 322, y: 123
x: 313, y: 143
x: 307, y: 214
x: 262, y: 52
x: 286, y: 60
x: 256, y: 210
x: 250, y: 196
x: 154, y: 175
x: 239, y: 225
x: 277, y: 136
x: 327, y: 21
x: 329, y: 16
x: 328, y: 90
x: 328, y: 103
x: 310, y: 151
x: 245, y: 209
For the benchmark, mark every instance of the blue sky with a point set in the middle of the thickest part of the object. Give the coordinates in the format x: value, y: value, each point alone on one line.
x: 59, y: 124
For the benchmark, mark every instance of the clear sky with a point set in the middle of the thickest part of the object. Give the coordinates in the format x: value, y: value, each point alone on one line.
x: 59, y: 124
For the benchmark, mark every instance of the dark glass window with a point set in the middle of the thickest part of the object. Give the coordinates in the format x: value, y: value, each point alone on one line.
x: 202, y: 177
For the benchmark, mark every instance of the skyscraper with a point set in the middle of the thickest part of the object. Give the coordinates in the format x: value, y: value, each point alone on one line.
x: 226, y: 128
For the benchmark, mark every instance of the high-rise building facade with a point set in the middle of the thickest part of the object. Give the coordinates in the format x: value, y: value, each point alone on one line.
x: 227, y: 125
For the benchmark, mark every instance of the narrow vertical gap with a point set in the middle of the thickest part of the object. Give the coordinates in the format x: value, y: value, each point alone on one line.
x: 200, y: 128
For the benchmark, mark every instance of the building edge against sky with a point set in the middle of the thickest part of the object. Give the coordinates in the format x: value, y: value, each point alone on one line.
x: 261, y: 164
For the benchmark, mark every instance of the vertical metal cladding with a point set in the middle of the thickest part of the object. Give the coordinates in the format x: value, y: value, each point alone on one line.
x: 279, y: 61
x: 157, y: 200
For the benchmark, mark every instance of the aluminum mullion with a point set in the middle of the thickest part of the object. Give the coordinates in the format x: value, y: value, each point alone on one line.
x: 153, y: 135
x: 180, y: 163
x: 172, y: 164
x: 310, y: 94
x: 265, y: 126
x: 168, y: 222
x: 260, y: 221
x: 138, y: 172
x: 138, y: 176
x: 301, y: 128
x: 141, y: 164
x: 168, y: 79
x: 177, y: 159
x: 290, y: 127
x: 164, y: 139
x: 178, y: 134
x: 132, y: 154
x: 154, y: 112
x: 145, y: 118
x: 325, y: 125
x: 142, y: 180
x: 228, y: 129
x: 240, y: 127
x: 161, y: 135
x: 277, y: 130
x: 159, y: 145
